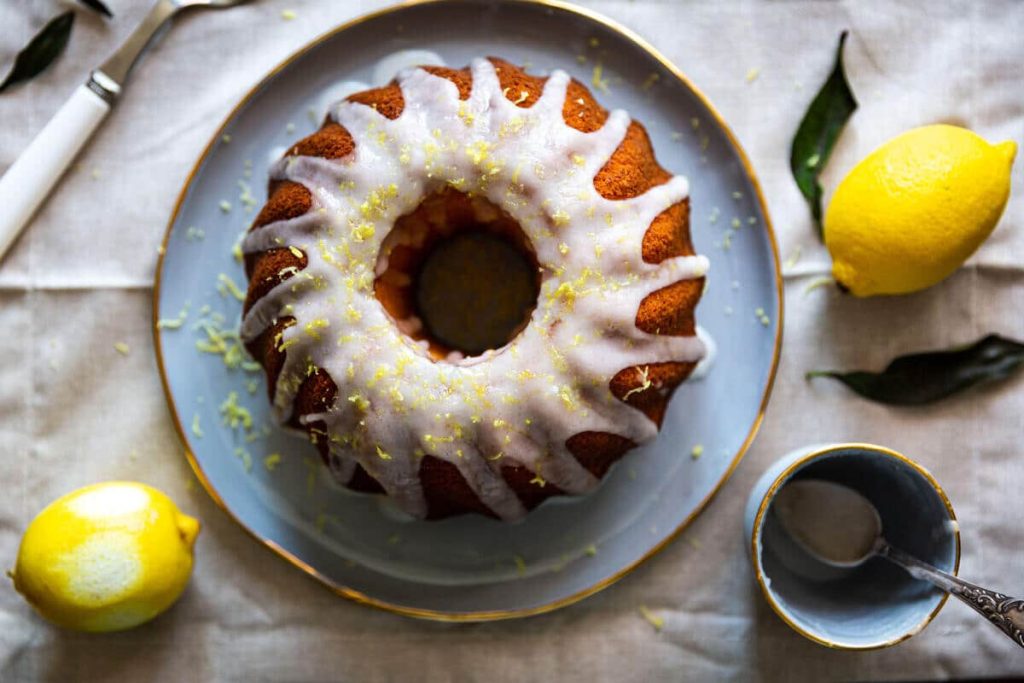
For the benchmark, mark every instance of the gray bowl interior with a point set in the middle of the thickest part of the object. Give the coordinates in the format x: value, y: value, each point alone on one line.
x: 876, y: 601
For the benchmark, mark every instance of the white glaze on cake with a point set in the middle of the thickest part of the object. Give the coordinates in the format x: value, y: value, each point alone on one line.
x: 710, y: 353
x: 386, y: 68
x: 333, y: 94
x: 516, y: 404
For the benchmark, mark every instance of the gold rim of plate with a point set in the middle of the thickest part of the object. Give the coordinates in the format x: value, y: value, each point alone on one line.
x: 492, y: 615
x: 770, y: 495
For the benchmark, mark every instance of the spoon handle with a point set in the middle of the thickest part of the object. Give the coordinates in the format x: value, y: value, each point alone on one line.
x: 1005, y: 612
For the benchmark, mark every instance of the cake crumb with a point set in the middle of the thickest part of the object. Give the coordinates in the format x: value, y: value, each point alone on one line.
x: 122, y: 348
x: 752, y: 74
x: 226, y: 139
x: 272, y: 461
x: 697, y: 451
x: 225, y: 206
x: 288, y: 14
x: 196, y: 428
x: 591, y: 550
x: 520, y: 565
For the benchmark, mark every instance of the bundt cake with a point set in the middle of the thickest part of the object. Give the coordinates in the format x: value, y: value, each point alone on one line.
x: 383, y: 200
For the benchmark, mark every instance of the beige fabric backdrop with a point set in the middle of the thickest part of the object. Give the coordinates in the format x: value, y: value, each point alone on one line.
x: 73, y: 411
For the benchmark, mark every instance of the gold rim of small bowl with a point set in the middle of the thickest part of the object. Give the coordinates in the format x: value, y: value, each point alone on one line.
x: 770, y: 495
x: 493, y: 615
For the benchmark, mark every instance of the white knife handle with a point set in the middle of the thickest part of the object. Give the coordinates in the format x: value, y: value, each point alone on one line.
x: 33, y: 174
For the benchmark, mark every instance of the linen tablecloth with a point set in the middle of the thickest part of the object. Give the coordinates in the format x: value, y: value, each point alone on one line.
x: 74, y: 411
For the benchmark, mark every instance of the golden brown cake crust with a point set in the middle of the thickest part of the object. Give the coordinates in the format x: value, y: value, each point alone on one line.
x: 631, y: 171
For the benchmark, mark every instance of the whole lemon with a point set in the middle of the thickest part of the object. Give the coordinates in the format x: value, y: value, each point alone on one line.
x: 106, y: 557
x: 915, y: 209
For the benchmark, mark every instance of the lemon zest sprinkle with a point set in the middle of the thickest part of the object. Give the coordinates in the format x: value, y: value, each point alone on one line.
x: 226, y: 286
x: 656, y: 621
x: 235, y: 415
x: 645, y: 383
x: 598, y: 80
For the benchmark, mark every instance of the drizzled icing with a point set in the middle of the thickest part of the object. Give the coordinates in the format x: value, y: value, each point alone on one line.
x: 514, y: 405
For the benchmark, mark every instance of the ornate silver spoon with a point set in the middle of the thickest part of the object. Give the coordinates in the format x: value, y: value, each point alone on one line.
x: 34, y: 173
x: 839, y: 527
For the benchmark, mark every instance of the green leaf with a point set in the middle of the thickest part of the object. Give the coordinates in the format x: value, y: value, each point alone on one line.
x: 921, y: 378
x: 41, y: 51
x: 818, y: 132
x: 98, y: 6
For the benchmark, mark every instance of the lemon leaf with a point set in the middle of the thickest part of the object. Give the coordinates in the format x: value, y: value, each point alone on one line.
x: 921, y: 378
x: 99, y: 7
x: 41, y: 51
x: 818, y: 131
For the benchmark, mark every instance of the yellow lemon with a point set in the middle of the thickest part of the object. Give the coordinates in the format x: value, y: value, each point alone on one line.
x: 915, y: 209
x: 106, y: 557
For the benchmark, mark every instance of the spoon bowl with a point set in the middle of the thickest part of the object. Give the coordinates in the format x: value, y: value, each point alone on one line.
x: 839, y: 527
x: 834, y: 524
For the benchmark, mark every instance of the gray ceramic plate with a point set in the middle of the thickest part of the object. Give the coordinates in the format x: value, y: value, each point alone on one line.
x: 470, y: 567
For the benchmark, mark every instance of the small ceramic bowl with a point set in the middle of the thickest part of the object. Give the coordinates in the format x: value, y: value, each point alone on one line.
x: 876, y: 604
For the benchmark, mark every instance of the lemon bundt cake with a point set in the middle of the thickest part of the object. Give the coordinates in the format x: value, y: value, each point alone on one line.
x: 378, y: 272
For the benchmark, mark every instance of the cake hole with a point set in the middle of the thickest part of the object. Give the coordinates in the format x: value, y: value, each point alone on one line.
x: 458, y: 274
